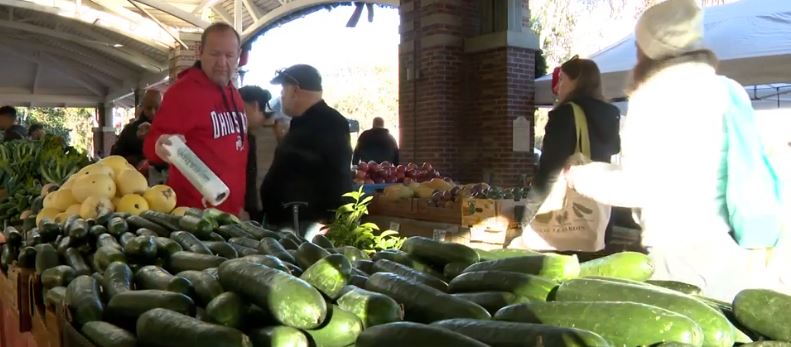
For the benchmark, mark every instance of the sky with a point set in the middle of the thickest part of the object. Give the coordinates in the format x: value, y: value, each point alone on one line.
x: 322, y: 39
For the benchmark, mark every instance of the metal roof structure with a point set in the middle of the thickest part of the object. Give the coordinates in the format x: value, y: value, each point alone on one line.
x: 87, y: 52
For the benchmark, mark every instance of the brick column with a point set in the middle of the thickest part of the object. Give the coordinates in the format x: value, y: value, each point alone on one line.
x: 460, y: 91
x: 183, y: 58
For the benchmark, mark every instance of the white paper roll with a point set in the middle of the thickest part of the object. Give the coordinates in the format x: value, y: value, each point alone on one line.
x: 213, y: 189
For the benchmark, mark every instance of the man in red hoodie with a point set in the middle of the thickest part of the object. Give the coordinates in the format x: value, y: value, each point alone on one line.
x: 205, y: 109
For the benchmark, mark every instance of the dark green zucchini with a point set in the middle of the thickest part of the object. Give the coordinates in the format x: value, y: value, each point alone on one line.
x: 46, y: 257
x: 421, y: 302
x: 384, y: 265
x: 227, y: 309
x: 403, y: 334
x: 166, y: 247
x: 341, y: 328
x: 165, y: 328
x: 104, y: 334
x: 125, y: 238
x: 170, y: 222
x: 289, y: 244
x: 153, y: 277
x: 129, y: 305
x: 438, y: 252
x: 183, y: 261
x: 118, y: 278
x: 372, y: 308
x: 97, y: 230
x: 452, y: 270
x: 243, y: 251
x: 255, y: 230
x: 138, y: 222
x: 189, y: 242
x: 146, y: 232
x: 521, y: 285
x: 215, y: 237
x: 272, y: 247
x: 200, y: 227
x: 49, y: 231
x: 58, y: 276
x: 308, y: 254
x: 107, y: 240
x: 63, y: 244
x: 232, y: 231
x: 74, y: 259
x: 106, y: 255
x: 366, y: 266
x: 244, y: 241
x: 329, y: 275
x: 404, y: 259
x: 552, y: 266
x: 269, y: 261
x: 78, y: 229
x: 206, y: 286
x: 82, y: 299
x: 491, y: 301
x: 222, y: 249
x: 358, y: 281
x: 117, y: 226
x: 322, y: 241
x: 141, y: 249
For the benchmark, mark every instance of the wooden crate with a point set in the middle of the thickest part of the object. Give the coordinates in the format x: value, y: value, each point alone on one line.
x: 402, y: 208
x: 411, y: 227
x: 466, y: 213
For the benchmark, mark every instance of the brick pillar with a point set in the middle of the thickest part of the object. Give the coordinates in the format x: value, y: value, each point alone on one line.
x: 183, y: 58
x: 461, y: 90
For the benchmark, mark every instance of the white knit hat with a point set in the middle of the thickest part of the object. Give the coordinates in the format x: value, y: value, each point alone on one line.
x: 670, y: 28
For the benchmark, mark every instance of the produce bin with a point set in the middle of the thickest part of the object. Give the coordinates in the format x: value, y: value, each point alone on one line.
x: 401, y: 208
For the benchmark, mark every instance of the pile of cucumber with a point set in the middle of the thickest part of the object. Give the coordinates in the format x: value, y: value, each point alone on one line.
x: 207, y: 279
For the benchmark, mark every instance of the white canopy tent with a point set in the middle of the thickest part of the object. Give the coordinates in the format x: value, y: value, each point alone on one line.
x: 752, y: 39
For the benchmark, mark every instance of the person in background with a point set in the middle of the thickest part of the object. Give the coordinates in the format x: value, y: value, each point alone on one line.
x: 36, y: 132
x: 675, y: 159
x: 11, y: 130
x: 376, y: 144
x: 579, y: 82
x: 130, y: 141
x: 262, y: 134
x: 205, y: 109
x: 313, y: 162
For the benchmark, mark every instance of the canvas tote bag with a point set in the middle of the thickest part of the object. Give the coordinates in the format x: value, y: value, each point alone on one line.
x: 568, y: 221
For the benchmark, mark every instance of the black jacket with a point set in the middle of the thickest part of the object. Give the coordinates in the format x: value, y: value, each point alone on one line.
x: 312, y: 164
x: 376, y: 144
x: 15, y: 132
x: 560, y: 143
x: 129, y: 145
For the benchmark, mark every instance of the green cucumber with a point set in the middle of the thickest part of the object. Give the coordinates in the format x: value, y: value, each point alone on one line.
x: 322, y: 241
x: 491, y: 301
x: 717, y: 331
x: 279, y: 336
x: 118, y: 278
x: 372, y: 308
x: 49, y: 231
x: 295, y: 270
x: 289, y: 244
x: 82, y: 299
x: 439, y: 252
x: 496, y: 254
x: 626, y: 265
x: 291, y: 301
x: 227, y: 309
x: 142, y: 249
x: 170, y: 222
x: 104, y: 334
x: 74, y: 259
x: 117, y: 226
x: 128, y: 306
x: 765, y: 311
x: 55, y: 296
x: 146, y: 232
x: 269, y: 261
x: 273, y: 247
x: 366, y: 266
x: 46, y: 257
x: 189, y: 242
x: 232, y: 231
x: 421, y: 302
x: 125, y: 238
x: 206, y: 286
x: 138, y: 222
x: 340, y: 329
x: 106, y: 255
x: 452, y: 270
x: 244, y: 241
x: 404, y: 259
x: 552, y: 266
x: 329, y: 275
x: 521, y: 285
x: 682, y: 287
x: 97, y: 230
x: 213, y: 272
x: 165, y: 328
x: 358, y: 281
x: 222, y: 249
x: 153, y: 277
x: 512, y: 334
x: 166, y: 247
x: 200, y: 227
x: 78, y: 229
x: 214, y: 237
x: 183, y: 261
x: 63, y: 244
x: 384, y: 265
x: 107, y: 240
x: 309, y: 253
x: 648, y: 325
x: 58, y: 276
x: 353, y: 253
x: 402, y: 334
x: 255, y: 230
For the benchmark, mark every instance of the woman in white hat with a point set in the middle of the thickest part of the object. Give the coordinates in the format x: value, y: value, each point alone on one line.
x: 673, y: 159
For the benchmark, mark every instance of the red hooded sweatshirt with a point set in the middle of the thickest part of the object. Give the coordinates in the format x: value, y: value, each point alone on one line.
x: 215, y: 128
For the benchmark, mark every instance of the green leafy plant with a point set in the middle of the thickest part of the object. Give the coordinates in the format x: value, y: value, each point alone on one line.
x: 347, y: 228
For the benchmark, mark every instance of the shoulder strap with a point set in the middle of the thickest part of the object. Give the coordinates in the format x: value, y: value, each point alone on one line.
x: 583, y: 138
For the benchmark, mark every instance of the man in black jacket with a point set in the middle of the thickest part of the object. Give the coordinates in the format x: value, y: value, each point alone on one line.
x: 313, y: 162
x: 130, y: 142
x: 376, y: 144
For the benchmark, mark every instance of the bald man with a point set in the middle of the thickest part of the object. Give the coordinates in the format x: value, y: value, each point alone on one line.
x: 130, y: 142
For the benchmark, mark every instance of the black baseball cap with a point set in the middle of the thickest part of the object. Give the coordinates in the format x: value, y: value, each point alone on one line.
x: 304, y: 76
